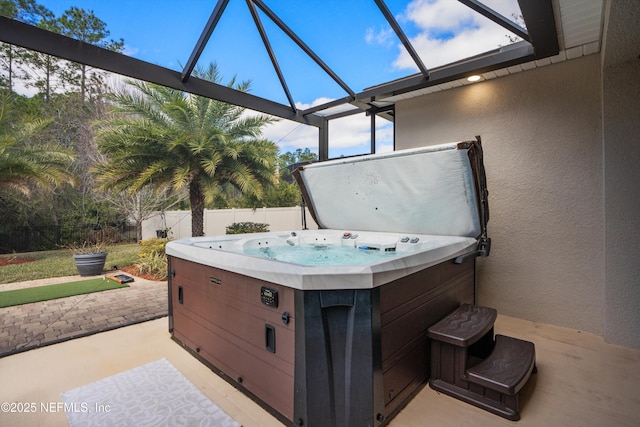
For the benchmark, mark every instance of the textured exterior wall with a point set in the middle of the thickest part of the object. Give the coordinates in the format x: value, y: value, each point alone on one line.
x: 542, y: 139
x: 621, y: 135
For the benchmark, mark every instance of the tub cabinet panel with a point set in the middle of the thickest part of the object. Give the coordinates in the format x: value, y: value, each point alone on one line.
x: 408, y: 307
x: 225, y: 324
x: 316, y: 357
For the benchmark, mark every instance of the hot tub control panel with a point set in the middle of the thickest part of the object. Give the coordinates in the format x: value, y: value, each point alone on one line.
x: 269, y: 296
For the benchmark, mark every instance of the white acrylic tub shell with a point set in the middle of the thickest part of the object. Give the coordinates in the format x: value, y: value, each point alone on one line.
x: 225, y: 252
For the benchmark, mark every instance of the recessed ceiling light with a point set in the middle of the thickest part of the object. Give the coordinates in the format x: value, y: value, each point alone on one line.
x: 474, y: 78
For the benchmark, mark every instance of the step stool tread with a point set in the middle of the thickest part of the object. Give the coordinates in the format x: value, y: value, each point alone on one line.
x: 507, y: 368
x: 464, y: 326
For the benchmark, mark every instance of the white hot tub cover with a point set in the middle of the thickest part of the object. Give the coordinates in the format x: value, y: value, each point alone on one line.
x: 434, y: 197
x: 437, y: 190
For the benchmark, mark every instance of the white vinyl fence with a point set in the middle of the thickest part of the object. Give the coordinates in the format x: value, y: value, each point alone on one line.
x: 217, y: 220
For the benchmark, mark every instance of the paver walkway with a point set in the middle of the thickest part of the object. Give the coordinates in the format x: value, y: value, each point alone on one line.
x: 29, y: 326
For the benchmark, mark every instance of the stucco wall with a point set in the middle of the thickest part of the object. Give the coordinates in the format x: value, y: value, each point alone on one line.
x: 542, y: 136
x: 621, y: 135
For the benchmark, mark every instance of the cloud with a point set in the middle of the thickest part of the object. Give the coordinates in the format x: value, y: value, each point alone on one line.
x: 289, y: 135
x: 383, y: 37
x: 384, y: 148
x: 129, y: 50
x: 505, y: 8
x: 438, y: 14
x: 449, y: 31
x: 348, y: 133
x: 20, y: 88
x: 384, y: 137
x: 436, y: 52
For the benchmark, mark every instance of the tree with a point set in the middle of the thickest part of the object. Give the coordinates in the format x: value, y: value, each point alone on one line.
x: 279, y: 195
x: 60, y: 102
x: 161, y: 136
x: 42, y: 70
x: 48, y: 74
x: 143, y: 204
x: 24, y: 163
x: 13, y: 58
x: 84, y: 26
x: 23, y: 10
x: 287, y: 160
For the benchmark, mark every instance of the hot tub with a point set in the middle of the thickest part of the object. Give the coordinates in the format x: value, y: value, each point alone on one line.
x: 328, y: 327
x: 323, y: 259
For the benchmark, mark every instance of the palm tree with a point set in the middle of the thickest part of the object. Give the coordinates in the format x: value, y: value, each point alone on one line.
x: 162, y: 136
x: 24, y: 163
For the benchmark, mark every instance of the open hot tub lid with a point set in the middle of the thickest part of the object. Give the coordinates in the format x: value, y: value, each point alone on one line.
x: 438, y: 189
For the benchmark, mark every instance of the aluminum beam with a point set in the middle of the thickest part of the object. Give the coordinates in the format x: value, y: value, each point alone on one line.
x: 499, y: 19
x: 34, y: 38
x: 204, y: 38
x: 297, y: 40
x: 538, y: 15
x: 512, y: 55
x: 330, y: 104
x: 271, y: 53
x: 541, y: 30
x: 403, y: 38
x: 541, y: 26
x: 323, y: 141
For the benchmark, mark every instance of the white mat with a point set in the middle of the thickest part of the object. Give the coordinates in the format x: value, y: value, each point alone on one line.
x: 155, y: 394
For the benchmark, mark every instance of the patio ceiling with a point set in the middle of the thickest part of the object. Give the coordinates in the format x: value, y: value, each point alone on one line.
x: 553, y: 30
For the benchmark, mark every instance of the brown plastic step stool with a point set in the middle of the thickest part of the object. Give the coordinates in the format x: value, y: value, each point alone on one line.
x: 466, y: 362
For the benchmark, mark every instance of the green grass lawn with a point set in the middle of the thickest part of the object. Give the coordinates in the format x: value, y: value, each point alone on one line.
x: 60, y: 263
x: 61, y: 290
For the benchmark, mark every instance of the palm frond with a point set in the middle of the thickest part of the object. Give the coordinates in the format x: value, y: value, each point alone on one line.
x: 161, y: 136
x: 24, y: 163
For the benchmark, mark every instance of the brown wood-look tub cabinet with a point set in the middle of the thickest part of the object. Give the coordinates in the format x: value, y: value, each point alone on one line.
x: 329, y: 327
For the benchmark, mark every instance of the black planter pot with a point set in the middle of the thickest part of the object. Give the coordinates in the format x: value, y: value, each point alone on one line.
x: 90, y: 264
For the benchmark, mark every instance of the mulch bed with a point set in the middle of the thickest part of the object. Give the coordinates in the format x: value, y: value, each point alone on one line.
x: 12, y: 261
x: 134, y: 271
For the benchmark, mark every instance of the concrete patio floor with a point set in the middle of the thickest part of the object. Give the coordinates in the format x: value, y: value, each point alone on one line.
x: 581, y: 381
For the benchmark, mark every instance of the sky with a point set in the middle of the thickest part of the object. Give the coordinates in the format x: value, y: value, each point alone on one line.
x: 351, y: 37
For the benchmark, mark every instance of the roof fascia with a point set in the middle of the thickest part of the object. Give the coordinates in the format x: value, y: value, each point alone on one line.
x: 515, y: 54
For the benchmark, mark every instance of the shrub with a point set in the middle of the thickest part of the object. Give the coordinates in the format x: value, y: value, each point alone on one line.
x: 247, y: 227
x: 153, y: 258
